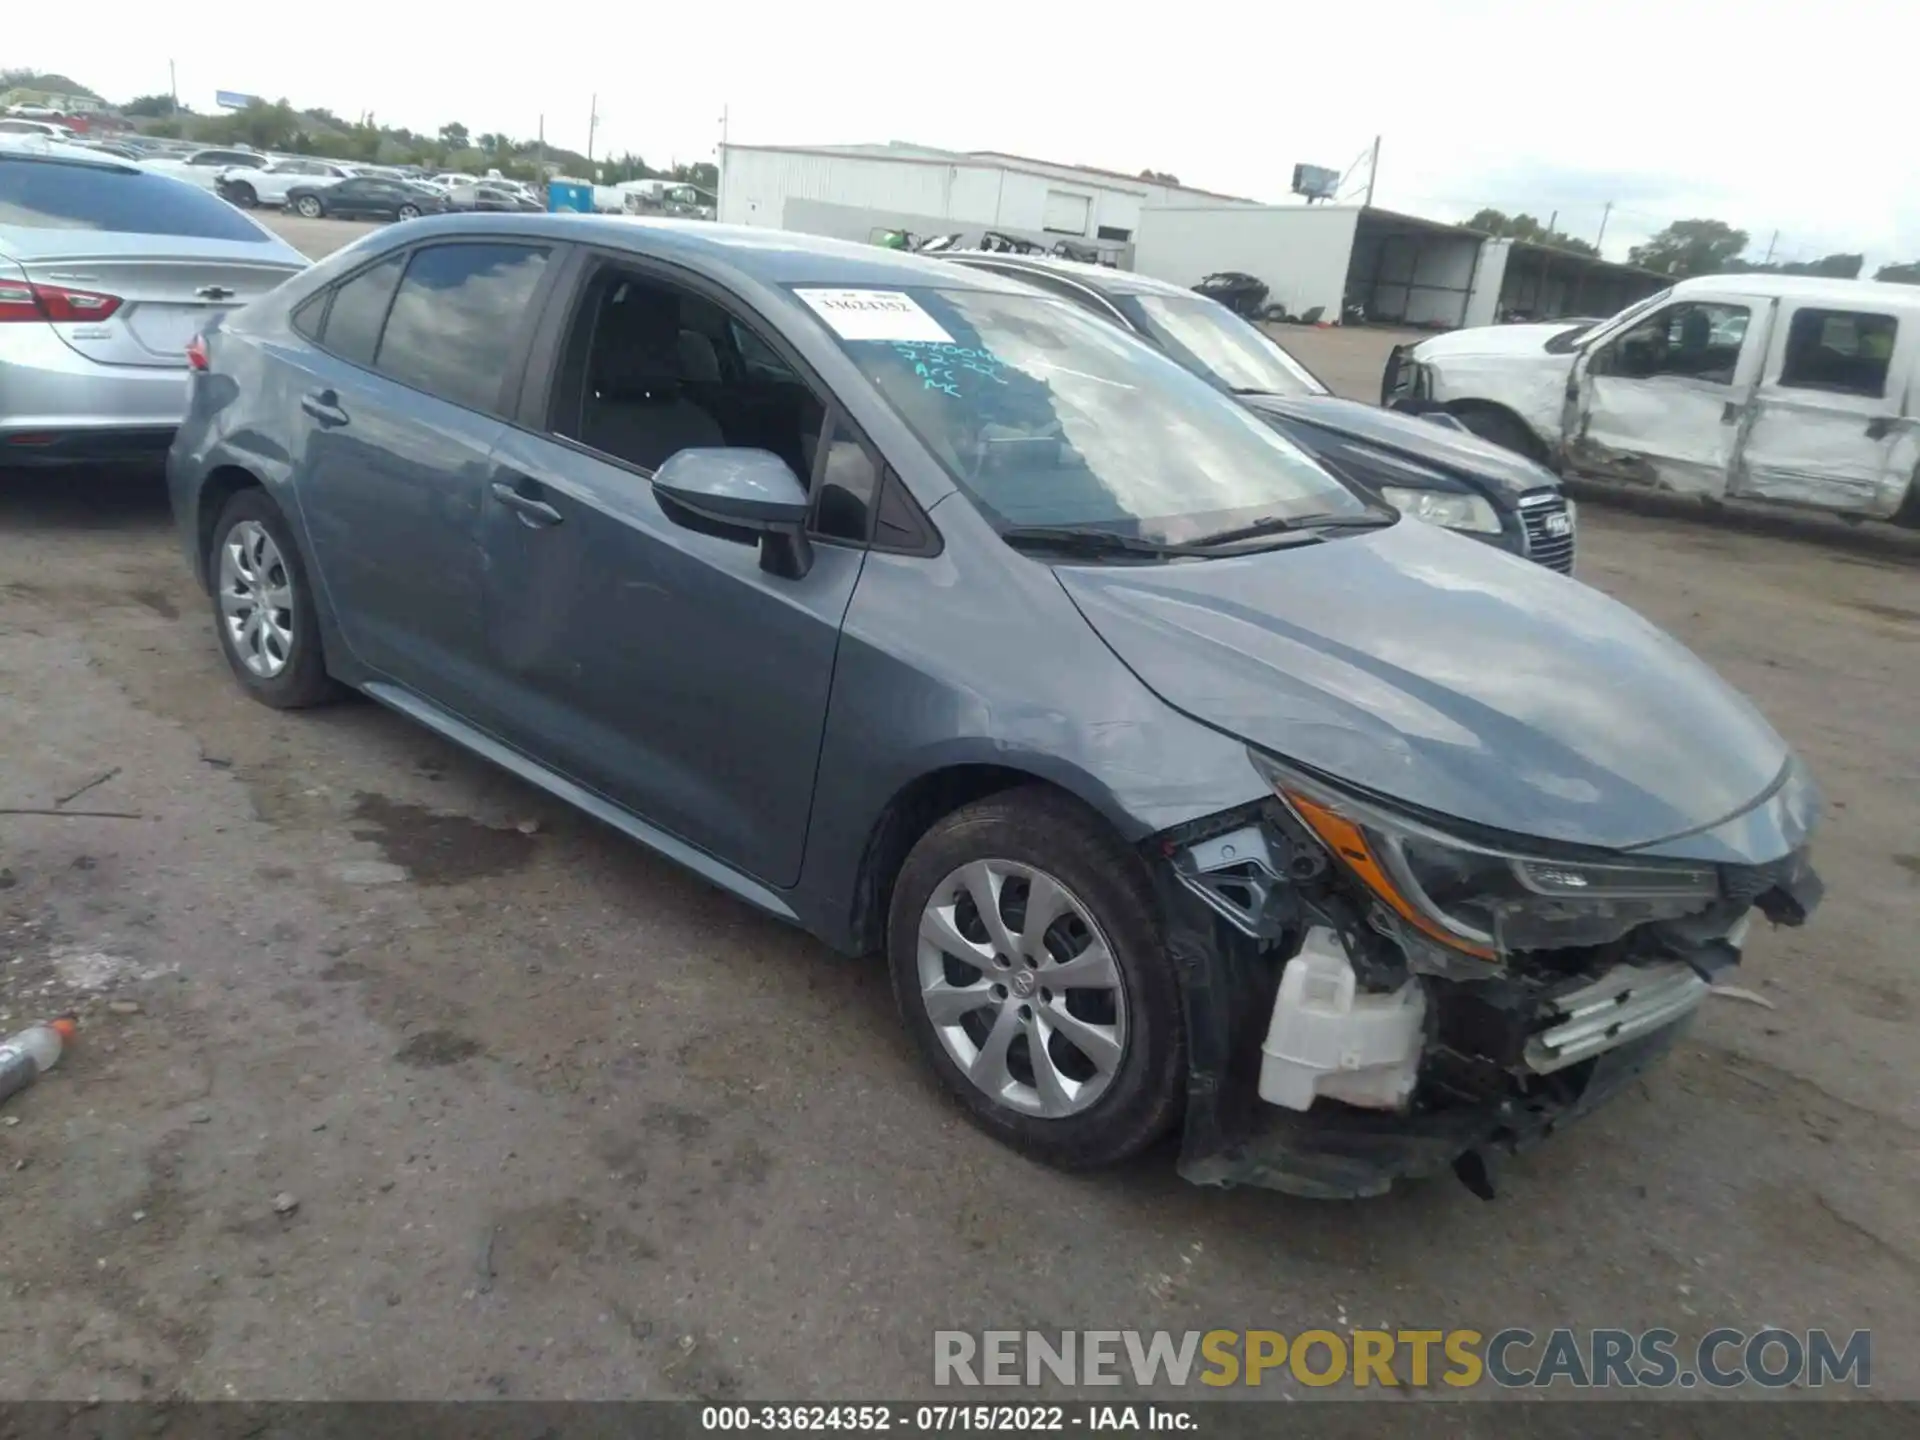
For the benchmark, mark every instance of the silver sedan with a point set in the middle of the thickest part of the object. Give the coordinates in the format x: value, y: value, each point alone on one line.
x: 107, y: 273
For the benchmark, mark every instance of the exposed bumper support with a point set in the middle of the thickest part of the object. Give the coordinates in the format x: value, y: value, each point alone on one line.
x: 1620, y: 1006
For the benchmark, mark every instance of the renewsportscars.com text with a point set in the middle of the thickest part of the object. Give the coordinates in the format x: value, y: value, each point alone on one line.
x: 1722, y: 1358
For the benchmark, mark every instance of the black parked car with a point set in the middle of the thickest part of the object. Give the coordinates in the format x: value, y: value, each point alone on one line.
x: 1427, y: 467
x: 496, y: 199
x: 365, y: 197
x: 1241, y: 293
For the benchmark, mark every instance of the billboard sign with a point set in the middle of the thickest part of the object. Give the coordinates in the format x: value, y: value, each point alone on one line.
x: 234, y: 100
x: 1316, y: 182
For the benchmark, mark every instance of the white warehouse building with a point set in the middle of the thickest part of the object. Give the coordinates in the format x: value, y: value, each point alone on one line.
x: 1398, y: 269
x: 1316, y: 260
x: 850, y: 190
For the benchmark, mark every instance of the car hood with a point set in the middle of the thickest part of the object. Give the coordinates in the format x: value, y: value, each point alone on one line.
x: 1492, y: 340
x: 1441, y: 447
x: 1448, y: 676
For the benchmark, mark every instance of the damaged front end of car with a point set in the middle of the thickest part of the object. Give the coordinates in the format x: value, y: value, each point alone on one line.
x: 1373, y: 995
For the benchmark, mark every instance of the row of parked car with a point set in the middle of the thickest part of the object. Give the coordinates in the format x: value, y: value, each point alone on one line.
x: 315, y: 187
x: 1049, y: 630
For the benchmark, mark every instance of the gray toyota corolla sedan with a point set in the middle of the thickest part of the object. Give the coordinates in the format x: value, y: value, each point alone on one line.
x: 1181, y: 785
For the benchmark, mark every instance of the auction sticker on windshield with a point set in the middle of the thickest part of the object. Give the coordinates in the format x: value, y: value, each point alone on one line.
x: 874, y: 315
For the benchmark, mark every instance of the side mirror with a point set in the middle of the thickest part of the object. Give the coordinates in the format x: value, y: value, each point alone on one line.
x: 750, y: 493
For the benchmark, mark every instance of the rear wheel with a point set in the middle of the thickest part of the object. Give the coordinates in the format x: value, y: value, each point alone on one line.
x: 309, y: 206
x: 1028, y: 964
x: 263, y: 608
x: 244, y: 196
x: 409, y: 212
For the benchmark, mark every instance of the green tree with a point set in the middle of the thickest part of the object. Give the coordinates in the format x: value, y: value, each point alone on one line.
x: 703, y: 173
x: 1691, y: 247
x: 1833, y: 267
x: 1526, y: 228
x: 627, y: 167
x: 1161, y: 177
x: 148, y: 106
x: 453, y: 135
x: 1904, y: 273
x: 267, y: 127
x: 50, y: 81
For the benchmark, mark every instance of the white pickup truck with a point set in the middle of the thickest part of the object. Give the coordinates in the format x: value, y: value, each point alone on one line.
x: 1791, y: 390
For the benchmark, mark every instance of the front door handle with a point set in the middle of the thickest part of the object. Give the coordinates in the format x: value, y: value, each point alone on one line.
x: 1730, y: 412
x: 536, y: 513
x: 1879, y: 427
x: 324, y: 406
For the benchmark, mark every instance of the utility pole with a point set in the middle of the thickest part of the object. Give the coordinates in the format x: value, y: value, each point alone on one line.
x: 1553, y: 222
x: 1605, y: 214
x: 540, y: 146
x: 1770, y: 244
x: 593, y: 121
x: 1373, y: 170
x: 173, y: 85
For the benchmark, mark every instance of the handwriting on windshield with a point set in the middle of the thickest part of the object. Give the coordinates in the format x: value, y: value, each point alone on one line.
x: 942, y: 364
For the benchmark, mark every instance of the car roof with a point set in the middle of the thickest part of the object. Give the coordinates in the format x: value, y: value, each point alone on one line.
x: 1103, y: 278
x: 773, y: 257
x: 38, y: 147
x: 1844, y: 294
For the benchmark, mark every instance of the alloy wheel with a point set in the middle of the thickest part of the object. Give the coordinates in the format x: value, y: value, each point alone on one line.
x: 309, y: 207
x: 409, y: 212
x: 1022, y: 988
x: 256, y: 599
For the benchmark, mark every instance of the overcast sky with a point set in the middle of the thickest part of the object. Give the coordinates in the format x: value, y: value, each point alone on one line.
x: 1771, y: 117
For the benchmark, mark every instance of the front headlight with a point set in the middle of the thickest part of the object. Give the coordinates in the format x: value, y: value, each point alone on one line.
x: 1448, y: 508
x: 1483, y: 900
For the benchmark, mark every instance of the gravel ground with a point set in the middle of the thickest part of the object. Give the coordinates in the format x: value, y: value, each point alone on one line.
x: 556, y: 1119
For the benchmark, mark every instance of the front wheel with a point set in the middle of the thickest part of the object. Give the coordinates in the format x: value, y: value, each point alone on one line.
x: 1028, y: 964
x: 1501, y: 429
x: 309, y: 206
x: 409, y: 212
x: 244, y: 196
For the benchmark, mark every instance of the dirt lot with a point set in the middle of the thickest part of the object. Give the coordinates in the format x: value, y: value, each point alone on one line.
x: 560, y: 1120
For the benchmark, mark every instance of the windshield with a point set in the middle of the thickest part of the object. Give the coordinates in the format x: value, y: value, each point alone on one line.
x: 1218, y: 345
x: 1046, y: 416
x: 53, y: 195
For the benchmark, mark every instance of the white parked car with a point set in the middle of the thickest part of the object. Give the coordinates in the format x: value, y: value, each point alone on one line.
x: 16, y: 124
x: 1787, y: 389
x: 205, y: 167
x: 249, y: 185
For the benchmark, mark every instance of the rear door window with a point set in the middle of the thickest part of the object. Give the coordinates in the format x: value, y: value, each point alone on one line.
x: 359, y: 309
x: 1844, y: 352
x: 457, y: 318
x: 64, y: 195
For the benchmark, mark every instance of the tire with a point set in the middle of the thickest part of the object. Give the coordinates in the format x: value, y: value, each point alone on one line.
x: 309, y: 207
x: 1501, y: 429
x: 244, y: 196
x: 1033, y: 836
x: 279, y: 662
x: 408, y: 212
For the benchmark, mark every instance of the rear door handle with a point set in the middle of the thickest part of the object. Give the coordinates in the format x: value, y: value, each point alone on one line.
x: 324, y: 406
x: 1879, y: 427
x: 536, y: 513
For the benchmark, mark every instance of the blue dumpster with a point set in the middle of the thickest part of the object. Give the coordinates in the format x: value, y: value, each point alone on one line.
x: 566, y: 195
